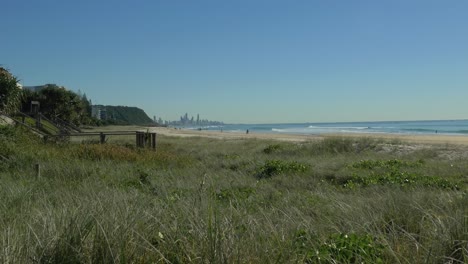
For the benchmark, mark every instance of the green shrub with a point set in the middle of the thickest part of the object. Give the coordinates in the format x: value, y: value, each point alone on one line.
x: 389, y: 164
x: 275, y: 167
x: 390, y: 173
x: 401, y: 179
x: 10, y: 94
x: 344, y: 248
x: 271, y: 148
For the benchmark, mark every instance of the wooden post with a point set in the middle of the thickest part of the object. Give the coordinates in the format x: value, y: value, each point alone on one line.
x: 103, y: 138
x: 38, y: 121
x: 37, y: 169
x: 140, y: 139
x: 153, y: 140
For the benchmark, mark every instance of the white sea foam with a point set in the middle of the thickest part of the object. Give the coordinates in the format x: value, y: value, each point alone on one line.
x: 277, y: 130
x: 403, y: 127
x: 337, y: 127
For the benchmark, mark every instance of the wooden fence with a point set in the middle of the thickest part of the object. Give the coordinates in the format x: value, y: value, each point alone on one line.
x: 142, y: 139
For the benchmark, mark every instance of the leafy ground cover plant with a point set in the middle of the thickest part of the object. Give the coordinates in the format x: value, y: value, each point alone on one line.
x: 347, y: 248
x: 398, y: 178
x: 391, y: 173
x: 389, y: 164
x: 271, y: 148
x: 275, y: 167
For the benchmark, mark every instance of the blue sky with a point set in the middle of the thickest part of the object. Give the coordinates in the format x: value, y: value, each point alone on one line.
x: 249, y: 61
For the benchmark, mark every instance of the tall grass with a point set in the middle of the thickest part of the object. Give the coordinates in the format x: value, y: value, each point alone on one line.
x: 200, y: 200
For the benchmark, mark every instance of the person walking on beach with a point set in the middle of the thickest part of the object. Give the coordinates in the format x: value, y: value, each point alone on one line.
x: 247, y: 131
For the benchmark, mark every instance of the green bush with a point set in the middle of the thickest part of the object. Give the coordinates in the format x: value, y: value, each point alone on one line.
x: 271, y: 148
x: 401, y: 179
x: 275, y: 167
x: 389, y: 164
x: 236, y: 193
x: 344, y: 248
x: 390, y: 173
x: 10, y: 94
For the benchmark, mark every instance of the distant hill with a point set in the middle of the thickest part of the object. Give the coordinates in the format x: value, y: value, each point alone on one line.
x: 124, y: 115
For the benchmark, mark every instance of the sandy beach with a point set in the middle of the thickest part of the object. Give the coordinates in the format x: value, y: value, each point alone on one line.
x: 423, y: 139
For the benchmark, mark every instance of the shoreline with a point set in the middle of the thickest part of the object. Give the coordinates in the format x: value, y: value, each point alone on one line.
x: 423, y: 139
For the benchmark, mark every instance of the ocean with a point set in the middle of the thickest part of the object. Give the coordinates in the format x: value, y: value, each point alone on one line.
x: 444, y: 127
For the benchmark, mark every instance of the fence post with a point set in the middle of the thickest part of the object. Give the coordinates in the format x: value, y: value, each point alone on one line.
x: 153, y: 141
x: 140, y: 139
x: 102, y: 137
x: 38, y: 121
x: 37, y: 169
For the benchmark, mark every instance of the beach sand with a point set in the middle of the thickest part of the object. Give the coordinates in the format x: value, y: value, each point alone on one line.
x: 422, y: 139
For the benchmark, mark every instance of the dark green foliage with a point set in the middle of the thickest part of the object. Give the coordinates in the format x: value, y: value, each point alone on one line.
x: 10, y: 94
x: 58, y: 103
x: 347, y: 248
x: 383, y: 172
x: 389, y: 164
x: 125, y: 115
x: 271, y: 148
x: 275, y: 167
x: 400, y: 179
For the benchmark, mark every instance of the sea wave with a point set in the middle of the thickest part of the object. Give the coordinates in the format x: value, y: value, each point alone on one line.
x: 407, y: 127
x: 434, y: 130
x: 291, y: 130
x: 203, y: 127
x: 340, y: 127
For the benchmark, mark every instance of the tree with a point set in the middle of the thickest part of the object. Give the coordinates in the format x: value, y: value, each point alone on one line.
x: 59, y: 103
x: 10, y: 92
x: 87, y: 104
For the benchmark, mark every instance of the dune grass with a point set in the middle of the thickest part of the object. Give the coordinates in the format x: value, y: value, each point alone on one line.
x: 202, y: 200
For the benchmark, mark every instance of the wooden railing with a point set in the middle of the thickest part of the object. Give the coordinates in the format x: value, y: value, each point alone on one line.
x: 142, y: 139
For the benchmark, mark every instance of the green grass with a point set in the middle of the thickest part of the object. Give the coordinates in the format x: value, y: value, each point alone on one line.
x: 47, y: 127
x: 201, y: 200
